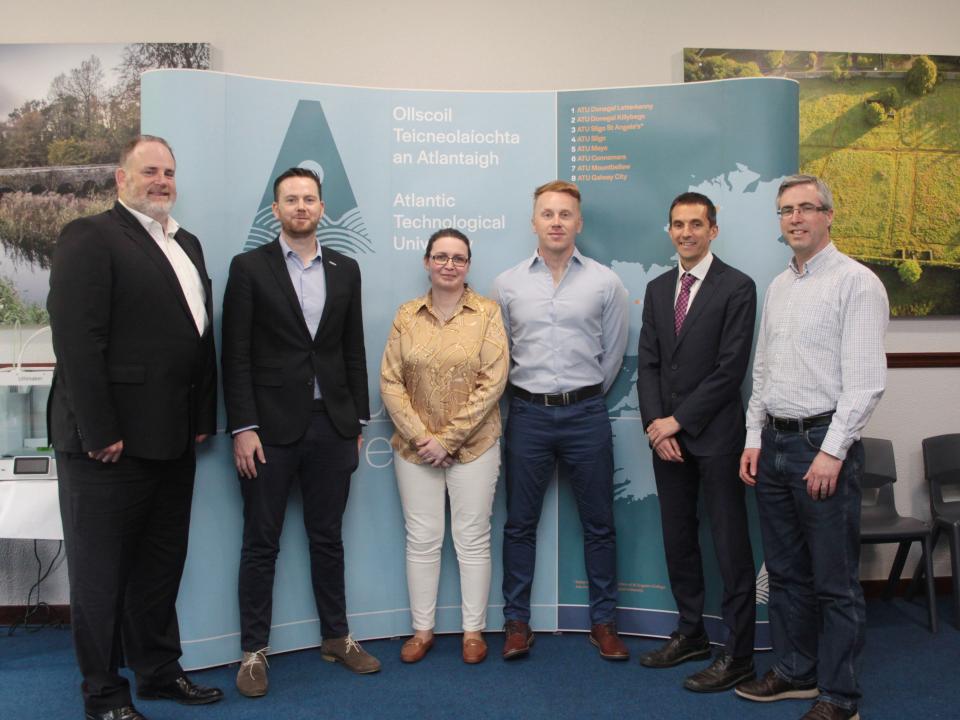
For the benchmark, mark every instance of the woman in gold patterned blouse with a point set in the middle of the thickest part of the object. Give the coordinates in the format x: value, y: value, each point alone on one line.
x: 444, y: 368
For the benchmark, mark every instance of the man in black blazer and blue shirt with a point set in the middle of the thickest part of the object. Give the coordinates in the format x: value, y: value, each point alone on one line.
x: 698, y: 322
x: 295, y: 385
x: 134, y: 390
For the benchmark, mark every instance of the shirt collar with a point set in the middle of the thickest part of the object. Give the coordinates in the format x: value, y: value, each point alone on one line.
x: 149, y: 223
x: 700, y: 270
x: 285, y: 247
x: 537, y: 259
x: 467, y: 301
x: 816, y: 262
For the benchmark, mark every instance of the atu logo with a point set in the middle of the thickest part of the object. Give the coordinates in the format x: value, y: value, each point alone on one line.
x: 309, y: 144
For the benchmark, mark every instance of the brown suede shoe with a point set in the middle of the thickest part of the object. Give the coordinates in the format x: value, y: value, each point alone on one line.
x: 604, y: 636
x: 252, y: 679
x: 415, y: 649
x: 474, y: 650
x: 346, y: 650
x: 518, y: 640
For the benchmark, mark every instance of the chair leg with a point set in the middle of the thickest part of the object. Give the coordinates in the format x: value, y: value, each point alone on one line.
x: 955, y: 563
x: 918, y: 571
x: 897, y: 570
x: 927, y: 561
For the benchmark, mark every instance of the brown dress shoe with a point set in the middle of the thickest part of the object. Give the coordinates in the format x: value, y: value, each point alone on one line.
x: 771, y: 687
x: 823, y: 710
x: 474, y: 650
x: 605, y: 637
x: 415, y: 648
x: 518, y: 641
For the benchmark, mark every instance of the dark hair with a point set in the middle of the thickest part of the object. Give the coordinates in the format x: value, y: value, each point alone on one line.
x: 296, y: 172
x: 132, y: 143
x: 447, y: 232
x: 694, y: 198
x: 561, y: 186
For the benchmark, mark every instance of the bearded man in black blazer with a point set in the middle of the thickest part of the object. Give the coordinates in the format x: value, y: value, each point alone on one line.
x: 295, y: 385
x: 134, y: 390
x: 695, y: 342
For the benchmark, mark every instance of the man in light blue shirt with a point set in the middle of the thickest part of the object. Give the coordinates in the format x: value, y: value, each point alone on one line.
x: 566, y: 318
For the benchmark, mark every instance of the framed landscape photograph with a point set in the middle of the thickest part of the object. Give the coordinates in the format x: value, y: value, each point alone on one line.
x: 65, y: 113
x: 884, y: 132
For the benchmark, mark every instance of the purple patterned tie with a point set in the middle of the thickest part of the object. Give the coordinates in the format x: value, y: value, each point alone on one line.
x: 683, y: 299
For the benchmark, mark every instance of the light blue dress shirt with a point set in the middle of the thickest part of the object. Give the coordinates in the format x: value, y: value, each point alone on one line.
x: 566, y: 337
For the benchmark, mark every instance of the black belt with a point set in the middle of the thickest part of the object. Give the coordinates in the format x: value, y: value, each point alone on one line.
x: 801, y: 424
x: 319, y: 405
x: 558, y: 399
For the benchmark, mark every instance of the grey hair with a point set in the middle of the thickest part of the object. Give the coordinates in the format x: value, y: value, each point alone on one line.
x: 826, y: 197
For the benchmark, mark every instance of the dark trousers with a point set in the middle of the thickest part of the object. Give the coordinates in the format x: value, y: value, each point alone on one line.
x: 678, y: 488
x: 125, y: 528
x: 323, y: 461
x: 812, y: 551
x: 580, y: 439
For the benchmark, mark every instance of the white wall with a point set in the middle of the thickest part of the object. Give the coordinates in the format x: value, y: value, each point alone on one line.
x: 525, y: 45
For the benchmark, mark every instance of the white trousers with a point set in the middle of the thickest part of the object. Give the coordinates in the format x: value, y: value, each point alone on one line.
x: 471, y: 487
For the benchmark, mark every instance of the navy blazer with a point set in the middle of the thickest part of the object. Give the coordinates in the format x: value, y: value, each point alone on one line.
x: 270, y: 361
x: 696, y: 375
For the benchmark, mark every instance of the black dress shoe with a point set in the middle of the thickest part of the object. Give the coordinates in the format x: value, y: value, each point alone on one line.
x: 722, y: 674
x: 127, y: 712
x: 679, y: 648
x: 183, y: 691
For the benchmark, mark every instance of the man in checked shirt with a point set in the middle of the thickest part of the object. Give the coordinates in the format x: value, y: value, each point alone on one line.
x: 818, y: 373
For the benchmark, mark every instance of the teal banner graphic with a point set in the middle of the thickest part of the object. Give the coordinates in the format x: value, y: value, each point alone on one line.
x: 398, y: 165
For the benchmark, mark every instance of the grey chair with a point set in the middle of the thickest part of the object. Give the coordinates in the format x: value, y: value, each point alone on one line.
x: 881, y: 523
x: 941, y: 466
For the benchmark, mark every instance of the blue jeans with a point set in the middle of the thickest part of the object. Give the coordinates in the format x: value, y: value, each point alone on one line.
x: 812, y: 552
x: 579, y: 437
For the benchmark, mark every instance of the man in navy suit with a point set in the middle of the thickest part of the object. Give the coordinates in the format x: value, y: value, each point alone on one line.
x: 698, y: 322
x: 134, y: 391
x: 295, y: 386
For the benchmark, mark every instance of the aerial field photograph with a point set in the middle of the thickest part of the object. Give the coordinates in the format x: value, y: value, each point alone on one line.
x: 884, y: 132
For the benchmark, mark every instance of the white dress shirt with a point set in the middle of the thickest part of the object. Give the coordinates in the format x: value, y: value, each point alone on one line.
x: 183, y: 266
x: 820, y: 348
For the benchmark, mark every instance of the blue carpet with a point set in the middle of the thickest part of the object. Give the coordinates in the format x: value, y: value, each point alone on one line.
x: 907, y: 673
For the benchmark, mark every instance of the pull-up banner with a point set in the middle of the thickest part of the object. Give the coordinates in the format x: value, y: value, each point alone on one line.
x: 397, y: 165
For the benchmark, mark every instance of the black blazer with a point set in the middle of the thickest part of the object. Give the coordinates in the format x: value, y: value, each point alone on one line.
x: 696, y: 376
x: 269, y: 359
x: 131, y: 365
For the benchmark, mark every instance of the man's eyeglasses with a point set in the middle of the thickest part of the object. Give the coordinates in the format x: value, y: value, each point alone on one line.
x: 806, y: 210
x: 441, y: 259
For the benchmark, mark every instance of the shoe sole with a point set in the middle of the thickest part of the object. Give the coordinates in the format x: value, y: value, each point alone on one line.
x: 521, y: 652
x: 746, y: 677
x: 694, y: 655
x: 796, y: 694
x: 202, y: 701
x: 605, y: 656
x: 335, y: 659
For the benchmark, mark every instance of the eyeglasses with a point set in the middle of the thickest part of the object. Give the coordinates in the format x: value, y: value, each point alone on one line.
x: 441, y: 259
x: 806, y: 210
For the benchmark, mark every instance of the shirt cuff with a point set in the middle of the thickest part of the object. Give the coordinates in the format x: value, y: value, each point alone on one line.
x: 753, y: 438
x: 835, y: 444
x: 234, y: 433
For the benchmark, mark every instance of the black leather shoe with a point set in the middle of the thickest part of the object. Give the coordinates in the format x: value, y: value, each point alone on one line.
x: 183, y: 691
x: 723, y: 673
x: 127, y: 712
x: 679, y: 648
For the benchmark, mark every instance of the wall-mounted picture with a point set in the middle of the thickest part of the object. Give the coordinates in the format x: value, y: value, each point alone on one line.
x: 884, y: 132
x: 65, y: 112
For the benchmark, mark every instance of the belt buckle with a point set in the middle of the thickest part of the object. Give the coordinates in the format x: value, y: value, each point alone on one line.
x: 562, y: 399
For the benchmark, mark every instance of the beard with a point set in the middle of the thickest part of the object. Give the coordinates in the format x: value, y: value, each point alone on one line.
x: 158, y: 209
